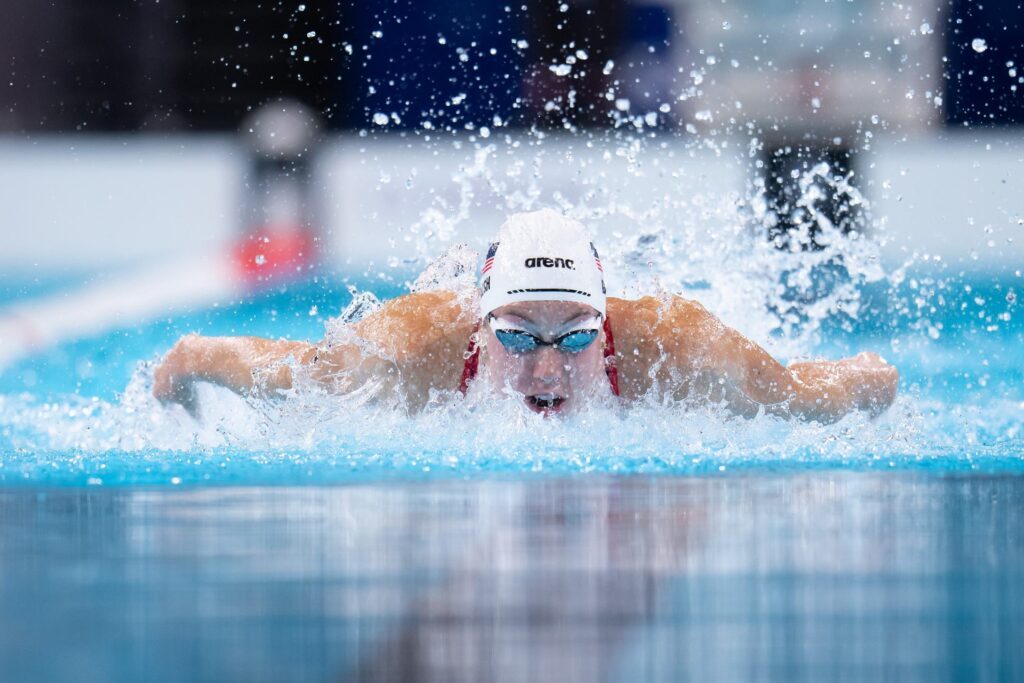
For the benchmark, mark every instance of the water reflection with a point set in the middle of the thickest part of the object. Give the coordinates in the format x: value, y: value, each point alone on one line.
x: 817, y: 576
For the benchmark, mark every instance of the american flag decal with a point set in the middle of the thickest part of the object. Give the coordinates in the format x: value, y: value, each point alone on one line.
x: 489, y: 260
x: 597, y: 259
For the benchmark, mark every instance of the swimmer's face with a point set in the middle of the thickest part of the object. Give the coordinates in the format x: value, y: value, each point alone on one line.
x: 551, y: 380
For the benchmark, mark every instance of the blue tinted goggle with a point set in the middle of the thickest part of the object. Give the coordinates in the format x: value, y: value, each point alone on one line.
x: 517, y: 340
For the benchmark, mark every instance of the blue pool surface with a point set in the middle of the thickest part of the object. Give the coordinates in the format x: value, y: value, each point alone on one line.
x: 81, y: 414
x: 306, y: 540
x: 801, y: 577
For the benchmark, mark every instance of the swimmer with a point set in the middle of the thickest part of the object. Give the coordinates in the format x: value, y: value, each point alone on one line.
x: 542, y: 330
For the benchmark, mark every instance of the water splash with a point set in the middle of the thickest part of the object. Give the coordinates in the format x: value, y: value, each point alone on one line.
x: 311, y: 436
x: 704, y: 241
x: 699, y: 241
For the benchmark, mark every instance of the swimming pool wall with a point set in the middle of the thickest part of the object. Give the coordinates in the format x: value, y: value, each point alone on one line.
x: 87, y: 204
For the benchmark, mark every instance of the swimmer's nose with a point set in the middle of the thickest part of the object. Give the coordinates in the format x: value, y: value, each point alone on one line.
x: 548, y: 366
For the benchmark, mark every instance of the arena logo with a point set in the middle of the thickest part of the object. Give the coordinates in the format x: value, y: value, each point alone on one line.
x: 545, y: 262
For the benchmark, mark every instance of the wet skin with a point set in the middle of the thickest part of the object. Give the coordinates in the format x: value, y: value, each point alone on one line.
x: 549, y: 380
x: 413, y: 350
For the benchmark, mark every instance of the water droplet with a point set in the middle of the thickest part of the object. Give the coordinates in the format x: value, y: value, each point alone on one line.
x: 380, y: 118
x: 378, y: 34
x: 561, y: 69
x: 979, y: 45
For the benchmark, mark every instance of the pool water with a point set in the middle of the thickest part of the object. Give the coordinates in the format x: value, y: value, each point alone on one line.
x: 798, y: 577
x: 320, y: 539
x: 82, y: 413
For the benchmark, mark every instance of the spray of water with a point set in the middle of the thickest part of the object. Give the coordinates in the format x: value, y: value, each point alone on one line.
x: 666, y: 226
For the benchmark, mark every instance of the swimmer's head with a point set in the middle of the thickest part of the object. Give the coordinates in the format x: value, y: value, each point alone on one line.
x: 542, y: 256
x: 543, y: 305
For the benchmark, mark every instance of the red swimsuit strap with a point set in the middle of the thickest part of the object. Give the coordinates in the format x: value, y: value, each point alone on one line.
x: 472, y: 364
x: 609, y: 357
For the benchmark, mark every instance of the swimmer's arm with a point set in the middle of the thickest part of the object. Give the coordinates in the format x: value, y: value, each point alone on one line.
x: 237, y: 363
x: 410, y: 347
x: 864, y: 382
x: 823, y: 391
x: 408, y: 350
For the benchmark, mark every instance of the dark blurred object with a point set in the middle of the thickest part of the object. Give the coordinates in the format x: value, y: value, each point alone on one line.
x: 647, y: 67
x: 106, y: 65
x: 205, y: 64
x: 443, y: 64
x: 985, y: 63
x: 279, y: 224
x: 239, y: 54
x: 582, y: 36
x: 806, y: 185
x: 98, y: 65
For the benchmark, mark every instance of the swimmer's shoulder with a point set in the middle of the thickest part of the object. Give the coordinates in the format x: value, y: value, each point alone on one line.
x: 652, y: 330
x: 432, y: 327
x: 649, y: 317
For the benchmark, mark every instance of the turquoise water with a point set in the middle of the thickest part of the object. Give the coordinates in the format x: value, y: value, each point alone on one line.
x: 649, y: 543
x: 800, y: 577
x: 81, y: 414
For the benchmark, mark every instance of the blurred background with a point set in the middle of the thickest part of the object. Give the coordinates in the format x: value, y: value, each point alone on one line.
x: 253, y: 167
x: 201, y: 67
x: 143, y: 132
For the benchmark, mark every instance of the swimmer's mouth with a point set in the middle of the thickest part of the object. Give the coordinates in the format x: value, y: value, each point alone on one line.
x: 545, y: 403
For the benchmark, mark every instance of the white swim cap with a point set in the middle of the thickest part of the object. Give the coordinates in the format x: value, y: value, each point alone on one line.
x: 542, y: 256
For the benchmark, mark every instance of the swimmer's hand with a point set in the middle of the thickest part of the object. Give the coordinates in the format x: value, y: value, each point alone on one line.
x: 174, y: 380
x: 864, y: 382
x: 231, y: 362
